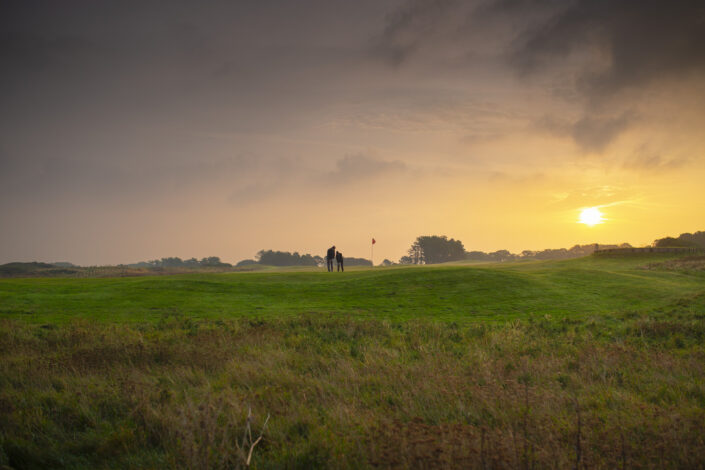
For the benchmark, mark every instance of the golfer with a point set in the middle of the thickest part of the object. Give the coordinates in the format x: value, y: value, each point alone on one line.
x: 339, y: 261
x: 329, y: 258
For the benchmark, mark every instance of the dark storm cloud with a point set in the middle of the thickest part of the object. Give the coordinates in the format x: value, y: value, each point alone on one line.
x: 592, y: 133
x: 588, y: 52
x: 410, y: 26
x: 469, y: 28
x: 622, y: 46
x: 641, y: 41
x: 26, y: 52
x: 98, y: 96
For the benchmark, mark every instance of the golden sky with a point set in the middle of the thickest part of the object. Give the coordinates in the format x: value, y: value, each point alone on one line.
x: 134, y: 131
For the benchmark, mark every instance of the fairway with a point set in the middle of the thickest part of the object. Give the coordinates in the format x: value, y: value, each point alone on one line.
x: 496, y: 293
x: 586, y: 363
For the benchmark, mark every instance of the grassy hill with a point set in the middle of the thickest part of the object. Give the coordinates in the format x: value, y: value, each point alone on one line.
x: 67, y: 270
x: 499, y: 292
x: 588, y: 363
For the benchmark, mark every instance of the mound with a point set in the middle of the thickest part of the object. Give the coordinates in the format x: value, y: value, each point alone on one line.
x: 32, y: 269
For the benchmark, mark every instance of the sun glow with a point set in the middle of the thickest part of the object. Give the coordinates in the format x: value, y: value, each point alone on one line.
x: 591, y: 216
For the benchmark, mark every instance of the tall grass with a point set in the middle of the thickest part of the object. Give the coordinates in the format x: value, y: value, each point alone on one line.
x: 601, y: 392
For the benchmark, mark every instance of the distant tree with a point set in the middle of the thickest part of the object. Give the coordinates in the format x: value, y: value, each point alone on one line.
x: 502, y: 255
x: 307, y: 260
x: 416, y: 254
x: 694, y: 240
x: 210, y: 260
x: 611, y: 247
x: 349, y: 261
x: 560, y: 253
x: 213, y: 261
x: 171, y: 262
x: 176, y: 262
x: 386, y: 262
x: 477, y: 256
x: 668, y: 242
x: 64, y: 264
x: 436, y: 249
x: 406, y: 260
x: 284, y: 258
x: 141, y: 264
x: 246, y: 262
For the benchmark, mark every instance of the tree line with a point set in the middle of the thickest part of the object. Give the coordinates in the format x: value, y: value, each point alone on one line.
x: 286, y: 258
x: 687, y: 240
x: 176, y: 262
x: 427, y: 249
x: 435, y: 249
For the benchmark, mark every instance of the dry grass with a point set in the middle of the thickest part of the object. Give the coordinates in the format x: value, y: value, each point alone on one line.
x: 690, y: 263
x: 348, y: 393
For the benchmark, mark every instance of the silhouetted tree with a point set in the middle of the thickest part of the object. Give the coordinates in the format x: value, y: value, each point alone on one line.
x: 502, y: 255
x: 668, y: 242
x: 436, y: 249
x: 245, y: 262
x: 213, y: 261
x: 477, y: 256
x: 176, y: 262
x: 561, y: 253
x: 357, y: 262
x: 416, y: 254
x: 171, y: 262
x: 691, y: 240
x: 696, y: 239
x: 284, y: 258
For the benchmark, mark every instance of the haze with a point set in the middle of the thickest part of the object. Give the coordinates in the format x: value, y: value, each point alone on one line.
x: 133, y: 130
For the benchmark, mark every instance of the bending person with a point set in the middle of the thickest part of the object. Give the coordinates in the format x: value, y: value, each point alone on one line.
x: 339, y: 261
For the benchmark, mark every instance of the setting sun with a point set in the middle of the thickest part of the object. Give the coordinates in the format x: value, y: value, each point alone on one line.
x: 591, y: 216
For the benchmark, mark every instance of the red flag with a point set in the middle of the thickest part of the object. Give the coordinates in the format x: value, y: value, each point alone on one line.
x: 374, y: 241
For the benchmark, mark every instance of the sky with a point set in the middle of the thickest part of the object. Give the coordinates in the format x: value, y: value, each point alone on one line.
x: 135, y: 130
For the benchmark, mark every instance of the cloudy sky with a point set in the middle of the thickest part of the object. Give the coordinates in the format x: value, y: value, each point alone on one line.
x: 133, y: 130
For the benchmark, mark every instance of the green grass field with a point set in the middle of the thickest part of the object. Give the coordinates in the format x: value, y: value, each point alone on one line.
x: 588, y: 363
x: 496, y: 293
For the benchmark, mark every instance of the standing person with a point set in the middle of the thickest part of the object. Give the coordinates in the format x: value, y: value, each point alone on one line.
x: 339, y: 261
x: 329, y: 258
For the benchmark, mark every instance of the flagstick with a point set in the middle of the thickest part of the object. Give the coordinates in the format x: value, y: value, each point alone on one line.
x: 372, y: 251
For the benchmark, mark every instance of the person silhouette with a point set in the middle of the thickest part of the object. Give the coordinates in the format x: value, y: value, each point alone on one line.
x: 339, y: 261
x: 329, y: 258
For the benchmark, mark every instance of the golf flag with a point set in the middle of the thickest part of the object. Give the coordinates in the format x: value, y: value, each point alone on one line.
x: 372, y: 254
